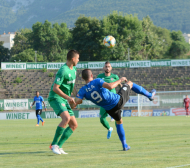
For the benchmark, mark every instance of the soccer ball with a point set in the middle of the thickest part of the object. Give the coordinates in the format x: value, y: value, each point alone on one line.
x: 109, y: 41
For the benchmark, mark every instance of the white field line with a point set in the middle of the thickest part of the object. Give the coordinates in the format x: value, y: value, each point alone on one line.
x: 179, y: 166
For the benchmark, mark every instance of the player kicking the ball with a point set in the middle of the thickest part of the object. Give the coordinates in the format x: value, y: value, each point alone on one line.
x: 98, y: 92
x: 107, y: 77
x: 59, y: 99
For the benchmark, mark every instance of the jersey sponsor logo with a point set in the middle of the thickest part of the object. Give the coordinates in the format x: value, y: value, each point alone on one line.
x: 69, y: 82
x: 125, y: 88
x: 58, y: 79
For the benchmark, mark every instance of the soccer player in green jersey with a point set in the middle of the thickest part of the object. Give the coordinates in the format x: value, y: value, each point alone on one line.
x: 109, y: 78
x: 59, y: 99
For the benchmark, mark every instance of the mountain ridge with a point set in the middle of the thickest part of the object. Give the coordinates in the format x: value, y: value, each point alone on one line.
x: 17, y: 14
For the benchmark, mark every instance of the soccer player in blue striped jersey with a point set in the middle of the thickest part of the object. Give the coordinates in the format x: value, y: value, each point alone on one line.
x: 98, y: 92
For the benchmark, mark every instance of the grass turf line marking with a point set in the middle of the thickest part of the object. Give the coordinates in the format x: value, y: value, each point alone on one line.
x: 179, y: 166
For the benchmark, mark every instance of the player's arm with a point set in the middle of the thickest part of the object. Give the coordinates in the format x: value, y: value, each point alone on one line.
x: 44, y: 105
x: 74, y: 91
x: 79, y: 97
x: 113, y: 85
x: 32, y: 104
x: 117, y: 78
x: 60, y: 93
x: 77, y: 101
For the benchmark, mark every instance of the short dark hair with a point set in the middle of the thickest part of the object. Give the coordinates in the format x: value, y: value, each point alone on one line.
x: 86, y: 74
x: 71, y: 54
x: 107, y: 62
x: 37, y: 92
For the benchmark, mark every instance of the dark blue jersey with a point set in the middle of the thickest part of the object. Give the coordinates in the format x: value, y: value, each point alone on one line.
x: 38, y: 101
x: 100, y: 96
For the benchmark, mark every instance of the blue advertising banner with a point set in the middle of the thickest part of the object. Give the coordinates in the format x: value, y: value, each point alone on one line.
x: 161, y: 112
x: 126, y: 113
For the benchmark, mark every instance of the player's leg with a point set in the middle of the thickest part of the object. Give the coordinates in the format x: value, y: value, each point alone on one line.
x: 38, y: 120
x: 41, y: 117
x: 120, y: 130
x: 69, y: 130
x: 121, y: 134
x: 104, y: 122
x: 186, y: 109
x: 59, y: 107
x: 140, y: 90
x: 59, y: 131
x: 112, y: 119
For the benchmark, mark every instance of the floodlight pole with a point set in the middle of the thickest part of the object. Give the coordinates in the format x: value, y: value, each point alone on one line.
x: 128, y: 54
x: 35, y: 55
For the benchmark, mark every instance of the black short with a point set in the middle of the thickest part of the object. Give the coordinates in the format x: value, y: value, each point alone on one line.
x: 38, y: 112
x: 124, y: 97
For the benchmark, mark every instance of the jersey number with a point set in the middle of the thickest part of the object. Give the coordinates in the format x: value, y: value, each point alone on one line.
x: 95, y: 95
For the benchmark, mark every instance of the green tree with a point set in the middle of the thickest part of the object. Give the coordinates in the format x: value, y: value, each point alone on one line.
x: 86, y: 38
x: 50, y: 40
x: 152, y: 44
x: 21, y: 41
x: 27, y: 55
x: 4, y: 53
x: 179, y: 46
x: 127, y: 30
x: 165, y: 39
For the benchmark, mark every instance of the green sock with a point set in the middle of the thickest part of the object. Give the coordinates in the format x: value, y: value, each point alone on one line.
x: 58, y: 133
x: 66, y: 134
x: 105, y: 122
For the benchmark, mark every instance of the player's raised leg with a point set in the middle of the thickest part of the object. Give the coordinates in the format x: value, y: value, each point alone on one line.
x: 104, y: 122
x: 140, y: 90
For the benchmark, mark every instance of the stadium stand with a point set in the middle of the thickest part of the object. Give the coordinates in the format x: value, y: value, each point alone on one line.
x: 25, y: 83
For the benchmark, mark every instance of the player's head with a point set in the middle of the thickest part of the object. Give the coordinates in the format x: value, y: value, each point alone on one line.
x: 186, y: 96
x: 37, y: 93
x: 87, y: 74
x: 73, y: 55
x: 107, y: 67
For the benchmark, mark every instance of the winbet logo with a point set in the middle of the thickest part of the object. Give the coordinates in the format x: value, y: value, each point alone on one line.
x: 10, y: 116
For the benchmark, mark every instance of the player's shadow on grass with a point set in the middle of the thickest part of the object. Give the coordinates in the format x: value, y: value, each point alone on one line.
x: 37, y: 152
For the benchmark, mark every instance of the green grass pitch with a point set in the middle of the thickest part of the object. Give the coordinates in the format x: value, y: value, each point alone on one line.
x: 155, y: 142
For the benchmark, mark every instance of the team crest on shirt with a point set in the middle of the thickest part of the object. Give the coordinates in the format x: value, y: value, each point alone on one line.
x: 111, y: 79
x: 69, y: 75
x: 125, y: 88
x: 63, y: 104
